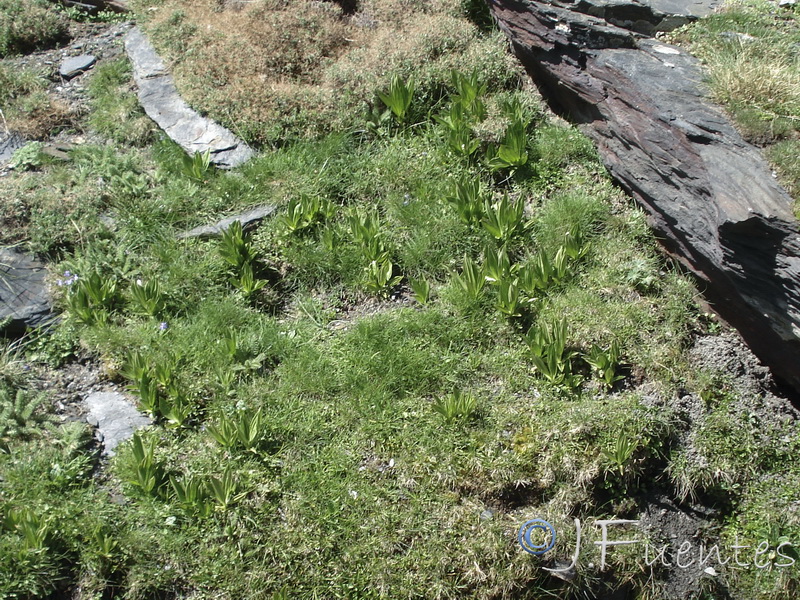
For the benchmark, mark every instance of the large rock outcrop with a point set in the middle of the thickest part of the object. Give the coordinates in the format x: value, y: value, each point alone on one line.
x: 710, y: 196
x: 24, y: 299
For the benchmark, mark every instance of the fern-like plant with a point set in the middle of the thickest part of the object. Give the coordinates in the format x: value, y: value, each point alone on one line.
x: 605, y: 362
x: 512, y: 151
x: 235, y: 247
x: 226, y: 489
x: 150, y: 476
x: 147, y: 297
x: 508, y: 301
x: 421, y: 289
x: 247, y: 282
x: 496, y: 265
x: 192, y: 494
x: 197, y: 166
x: 549, y: 354
x: 304, y: 213
x: 469, y: 94
x: 619, y: 454
x: 18, y: 412
x: 379, y: 279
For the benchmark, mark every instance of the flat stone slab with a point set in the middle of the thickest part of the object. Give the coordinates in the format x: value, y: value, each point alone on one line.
x: 74, y: 66
x: 10, y: 143
x: 115, y: 417
x: 162, y: 103
x: 253, y: 215
x: 23, y: 292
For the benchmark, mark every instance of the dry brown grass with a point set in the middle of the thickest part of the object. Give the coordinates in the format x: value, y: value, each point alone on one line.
x: 274, y: 69
x: 38, y: 116
x: 27, y: 107
x: 771, y: 86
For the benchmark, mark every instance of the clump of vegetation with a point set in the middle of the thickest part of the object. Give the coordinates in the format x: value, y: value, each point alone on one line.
x: 27, y: 107
x: 27, y: 25
x: 116, y: 112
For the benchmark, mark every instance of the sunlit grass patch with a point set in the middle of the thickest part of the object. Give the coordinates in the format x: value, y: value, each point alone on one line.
x: 452, y: 323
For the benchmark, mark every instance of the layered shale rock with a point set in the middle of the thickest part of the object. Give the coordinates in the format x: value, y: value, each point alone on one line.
x: 710, y: 196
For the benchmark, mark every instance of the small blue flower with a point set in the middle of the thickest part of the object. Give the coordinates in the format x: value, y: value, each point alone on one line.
x: 162, y: 326
x: 68, y: 279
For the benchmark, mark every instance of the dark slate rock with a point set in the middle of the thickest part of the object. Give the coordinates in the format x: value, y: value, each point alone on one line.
x: 248, y: 217
x: 160, y: 100
x: 709, y: 195
x: 9, y: 144
x: 115, y: 418
x: 23, y: 292
x: 74, y: 66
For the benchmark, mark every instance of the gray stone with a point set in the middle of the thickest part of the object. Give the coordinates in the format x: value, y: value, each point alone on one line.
x: 83, y: 6
x: 115, y: 418
x: 10, y: 143
x: 739, y: 37
x: 109, y: 221
x: 162, y: 103
x: 709, y: 195
x: 248, y: 217
x: 23, y: 292
x: 74, y: 66
x: 787, y: 2
x: 647, y: 16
